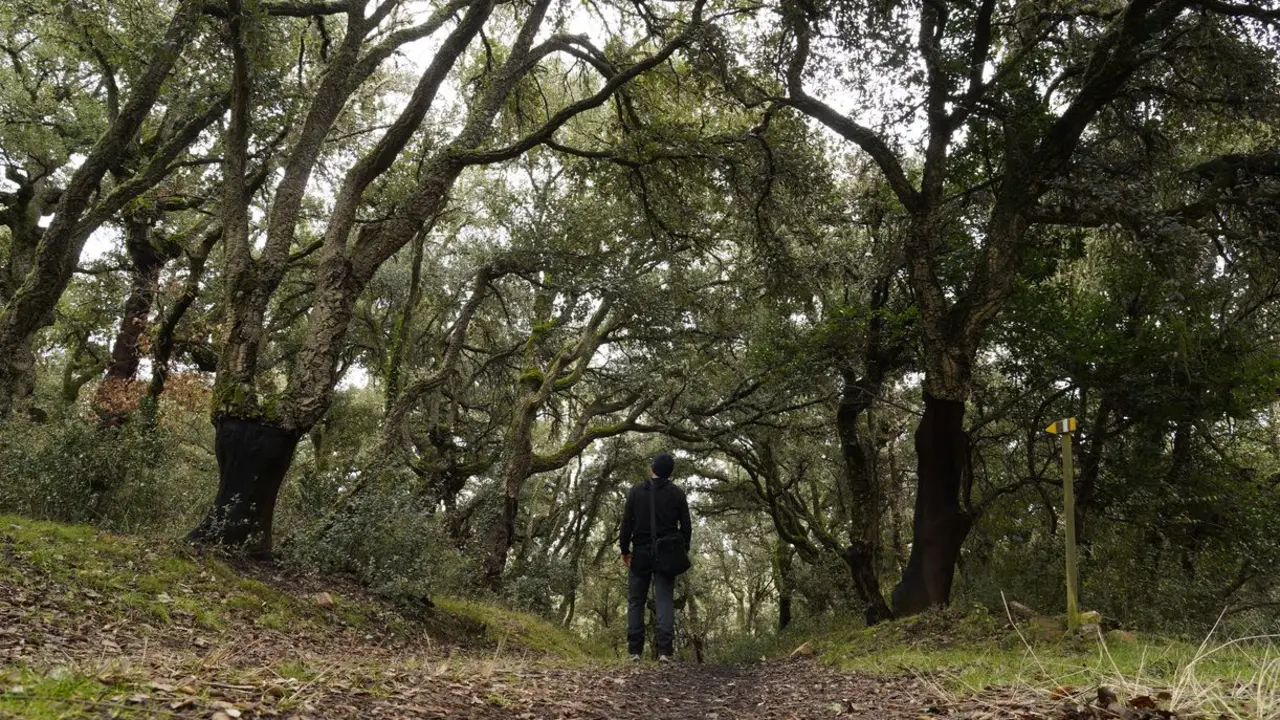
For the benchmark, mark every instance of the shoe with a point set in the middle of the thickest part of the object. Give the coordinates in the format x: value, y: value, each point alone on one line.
x: 666, y: 659
x: 635, y: 658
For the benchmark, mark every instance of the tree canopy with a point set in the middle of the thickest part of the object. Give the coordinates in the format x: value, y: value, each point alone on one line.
x: 412, y: 290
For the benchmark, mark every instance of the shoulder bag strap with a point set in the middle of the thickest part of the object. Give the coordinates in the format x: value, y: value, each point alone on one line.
x: 653, y: 518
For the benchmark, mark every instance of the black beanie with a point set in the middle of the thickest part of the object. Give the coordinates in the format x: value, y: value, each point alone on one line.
x: 663, y: 464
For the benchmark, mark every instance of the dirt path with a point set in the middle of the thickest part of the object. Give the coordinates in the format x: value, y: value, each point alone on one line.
x: 470, y: 689
x: 203, y: 642
x: 775, y: 691
x: 128, y: 669
x: 275, y: 675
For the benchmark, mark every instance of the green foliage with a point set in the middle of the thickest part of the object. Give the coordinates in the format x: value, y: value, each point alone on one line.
x: 968, y: 649
x: 130, y: 478
x: 386, y: 538
x: 60, y: 694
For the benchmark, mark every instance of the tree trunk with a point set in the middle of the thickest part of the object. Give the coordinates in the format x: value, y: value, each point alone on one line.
x: 22, y: 212
x: 74, y: 376
x: 897, y: 504
x: 403, y: 329
x: 864, y: 532
x: 940, y: 525
x: 17, y: 375
x: 782, y: 566
x: 111, y: 399
x: 695, y: 632
x: 502, y: 532
x: 1091, y: 466
x: 165, y: 335
x: 253, y: 458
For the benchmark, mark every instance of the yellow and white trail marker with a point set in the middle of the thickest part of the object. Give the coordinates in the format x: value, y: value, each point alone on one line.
x: 1065, y: 425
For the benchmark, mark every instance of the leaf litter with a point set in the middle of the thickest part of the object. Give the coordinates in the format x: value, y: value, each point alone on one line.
x: 50, y: 630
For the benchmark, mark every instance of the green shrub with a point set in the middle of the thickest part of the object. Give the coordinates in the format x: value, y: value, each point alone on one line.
x: 385, y: 536
x: 132, y: 478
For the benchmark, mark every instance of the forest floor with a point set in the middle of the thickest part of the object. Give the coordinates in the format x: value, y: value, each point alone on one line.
x: 94, y: 626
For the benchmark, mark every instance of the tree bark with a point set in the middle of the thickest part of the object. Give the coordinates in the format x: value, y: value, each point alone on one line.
x: 403, y: 329
x: 519, y: 464
x: 866, y: 498
x: 940, y: 525
x: 21, y: 212
x: 253, y: 458
x: 110, y: 400
x: 864, y: 532
x: 782, y: 567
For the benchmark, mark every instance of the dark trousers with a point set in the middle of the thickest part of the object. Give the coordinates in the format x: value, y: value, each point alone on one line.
x: 664, y: 597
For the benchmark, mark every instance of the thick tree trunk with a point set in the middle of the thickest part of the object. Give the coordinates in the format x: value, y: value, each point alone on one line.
x: 17, y: 375
x: 253, y: 458
x: 499, y: 539
x: 940, y: 524
x: 860, y: 557
x: 22, y: 211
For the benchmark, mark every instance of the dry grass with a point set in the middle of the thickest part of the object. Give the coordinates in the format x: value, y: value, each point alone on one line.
x: 1237, y: 679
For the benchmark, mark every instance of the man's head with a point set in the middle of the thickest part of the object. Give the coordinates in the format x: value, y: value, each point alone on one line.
x: 663, y: 465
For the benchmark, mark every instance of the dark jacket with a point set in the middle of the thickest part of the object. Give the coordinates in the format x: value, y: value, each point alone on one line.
x: 672, y: 512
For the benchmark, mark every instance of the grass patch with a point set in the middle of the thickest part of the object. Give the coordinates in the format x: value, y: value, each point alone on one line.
x: 57, y: 694
x: 165, y: 584
x: 157, y: 582
x: 296, y: 670
x: 509, y: 629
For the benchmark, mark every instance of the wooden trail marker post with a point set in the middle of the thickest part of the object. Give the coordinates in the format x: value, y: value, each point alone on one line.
x: 1063, y: 429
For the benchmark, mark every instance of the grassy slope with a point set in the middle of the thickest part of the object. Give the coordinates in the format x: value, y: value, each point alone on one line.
x: 88, y: 619
x: 967, y: 652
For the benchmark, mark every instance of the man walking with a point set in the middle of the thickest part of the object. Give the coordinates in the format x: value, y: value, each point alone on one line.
x: 658, y: 556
